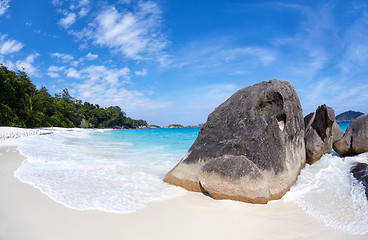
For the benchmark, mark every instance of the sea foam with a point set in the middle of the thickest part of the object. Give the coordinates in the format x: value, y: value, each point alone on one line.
x: 116, y: 171
x: 327, y: 191
x: 122, y: 171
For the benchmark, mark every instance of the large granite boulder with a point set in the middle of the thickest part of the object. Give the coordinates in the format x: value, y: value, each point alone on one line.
x: 355, y: 139
x: 337, y: 133
x: 250, y: 149
x: 360, y: 172
x: 319, y: 133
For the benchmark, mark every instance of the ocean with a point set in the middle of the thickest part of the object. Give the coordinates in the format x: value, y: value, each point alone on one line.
x: 121, y: 171
x: 109, y: 170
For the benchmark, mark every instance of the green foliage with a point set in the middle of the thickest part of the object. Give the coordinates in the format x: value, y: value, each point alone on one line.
x: 32, y: 110
x: 22, y: 105
x: 8, y: 118
x: 154, y: 126
x: 348, y: 116
x: 174, y: 126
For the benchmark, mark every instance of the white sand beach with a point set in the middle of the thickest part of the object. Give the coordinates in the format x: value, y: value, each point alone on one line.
x: 26, y: 213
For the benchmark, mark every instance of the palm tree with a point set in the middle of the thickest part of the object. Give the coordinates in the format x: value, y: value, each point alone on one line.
x: 33, y: 114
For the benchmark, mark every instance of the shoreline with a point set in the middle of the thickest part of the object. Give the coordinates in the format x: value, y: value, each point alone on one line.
x: 27, y: 213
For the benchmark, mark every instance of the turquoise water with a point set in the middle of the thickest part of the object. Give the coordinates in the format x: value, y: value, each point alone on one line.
x: 114, y: 170
x: 344, y: 125
x: 175, y: 141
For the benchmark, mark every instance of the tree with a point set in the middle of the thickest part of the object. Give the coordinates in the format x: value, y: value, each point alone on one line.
x: 66, y: 96
x: 33, y: 113
x: 22, y: 105
x: 8, y: 118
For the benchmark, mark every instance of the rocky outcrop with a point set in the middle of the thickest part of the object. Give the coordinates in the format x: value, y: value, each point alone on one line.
x: 355, y: 139
x: 337, y: 133
x: 360, y: 172
x: 319, y: 133
x: 250, y: 149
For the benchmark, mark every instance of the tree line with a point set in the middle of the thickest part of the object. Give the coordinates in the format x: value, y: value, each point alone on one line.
x: 23, y: 105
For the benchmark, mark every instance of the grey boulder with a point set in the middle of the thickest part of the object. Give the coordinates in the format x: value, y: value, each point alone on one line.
x: 250, y: 149
x: 337, y: 133
x: 319, y: 133
x: 355, y: 139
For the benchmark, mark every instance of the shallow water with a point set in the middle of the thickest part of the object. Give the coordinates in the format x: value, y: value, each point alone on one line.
x: 328, y: 191
x: 115, y: 170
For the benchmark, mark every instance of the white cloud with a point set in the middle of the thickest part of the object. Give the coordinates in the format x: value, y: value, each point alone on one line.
x: 83, y: 12
x: 4, y: 5
x: 65, y: 58
x: 222, y: 54
x: 91, y: 56
x: 108, y: 87
x: 68, y: 20
x: 136, y: 34
x: 53, y: 74
x: 125, y: 1
x: 74, y: 63
x: 53, y: 71
x: 355, y: 57
x: 71, y: 10
x: 8, y: 63
x: 83, y: 3
x: 133, y: 102
x: 73, y: 73
x: 107, y: 75
x: 334, y: 93
x: 57, y: 2
x: 141, y: 73
x: 27, y: 65
x: 9, y: 46
x: 99, y: 73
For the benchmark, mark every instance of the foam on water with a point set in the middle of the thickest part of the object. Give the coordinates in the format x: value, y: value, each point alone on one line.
x: 116, y: 171
x: 327, y: 191
x: 122, y: 171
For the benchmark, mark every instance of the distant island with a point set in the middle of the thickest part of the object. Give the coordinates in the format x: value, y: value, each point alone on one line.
x: 348, y: 116
x: 23, y: 105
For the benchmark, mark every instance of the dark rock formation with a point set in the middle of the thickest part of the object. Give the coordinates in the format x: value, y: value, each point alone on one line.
x: 355, y: 139
x: 318, y: 133
x: 360, y: 172
x: 250, y: 149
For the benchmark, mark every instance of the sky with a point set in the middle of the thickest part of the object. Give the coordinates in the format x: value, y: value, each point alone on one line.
x: 174, y: 61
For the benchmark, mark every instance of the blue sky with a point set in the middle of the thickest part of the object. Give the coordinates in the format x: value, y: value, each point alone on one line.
x: 174, y: 61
